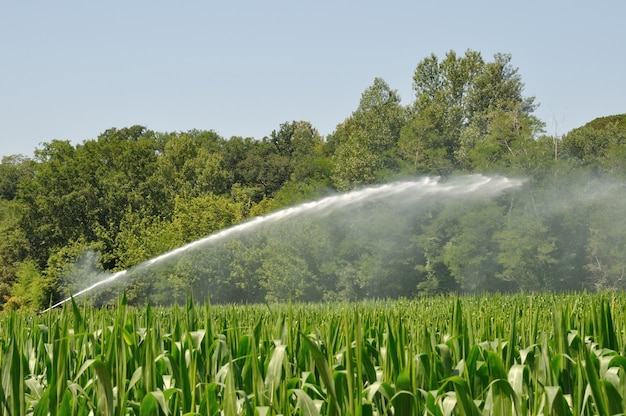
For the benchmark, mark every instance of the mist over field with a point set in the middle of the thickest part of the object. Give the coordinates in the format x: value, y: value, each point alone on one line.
x: 465, y: 234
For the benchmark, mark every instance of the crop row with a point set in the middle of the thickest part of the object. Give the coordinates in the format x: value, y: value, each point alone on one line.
x: 474, y: 355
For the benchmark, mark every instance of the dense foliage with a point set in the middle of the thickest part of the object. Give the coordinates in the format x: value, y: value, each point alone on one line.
x: 111, y: 203
x: 470, y: 355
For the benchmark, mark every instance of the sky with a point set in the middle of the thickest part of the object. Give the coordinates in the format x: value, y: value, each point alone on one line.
x: 70, y: 70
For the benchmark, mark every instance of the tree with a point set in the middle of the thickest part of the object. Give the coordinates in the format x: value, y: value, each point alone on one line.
x: 560, y: 202
x: 421, y: 145
x: 507, y: 145
x: 264, y: 169
x: 434, y: 232
x: 354, y: 165
x: 12, y: 170
x: 308, y: 161
x: 13, y: 246
x: 606, y: 253
x: 497, y: 87
x: 294, y: 153
x: 224, y: 272
x: 471, y: 254
x: 457, y: 100
x: 192, y: 165
x: 442, y: 90
x: 83, y: 192
x: 294, y: 255
x: 286, y: 278
x: 599, y: 143
x: 57, y: 200
x: 198, y: 217
x: 499, y: 116
x: 141, y: 238
x: 526, y: 254
x: 365, y: 143
x: 71, y: 268
x: 30, y: 290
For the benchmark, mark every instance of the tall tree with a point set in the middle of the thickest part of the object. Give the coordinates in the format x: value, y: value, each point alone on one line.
x: 442, y: 90
x: 302, y: 145
x: 264, y: 169
x: 471, y: 254
x: 606, y: 252
x: 365, y: 143
x: 13, y: 246
x: 457, y: 100
x: 57, y: 200
x: 422, y: 146
x: 12, y: 170
x: 192, y: 164
x: 526, y: 253
x: 83, y: 192
x: 507, y: 145
x: 497, y: 87
x: 600, y: 144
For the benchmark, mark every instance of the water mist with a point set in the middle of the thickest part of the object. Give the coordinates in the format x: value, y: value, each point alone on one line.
x: 407, y: 193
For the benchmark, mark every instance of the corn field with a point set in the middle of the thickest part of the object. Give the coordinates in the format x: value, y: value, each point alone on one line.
x: 472, y: 355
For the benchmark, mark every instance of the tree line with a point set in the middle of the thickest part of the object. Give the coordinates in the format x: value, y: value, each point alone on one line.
x: 111, y: 203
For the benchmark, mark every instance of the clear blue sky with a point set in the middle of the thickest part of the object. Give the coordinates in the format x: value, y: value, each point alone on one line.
x: 72, y: 69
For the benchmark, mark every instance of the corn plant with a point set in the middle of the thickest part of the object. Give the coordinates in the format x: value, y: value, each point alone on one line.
x: 557, y: 354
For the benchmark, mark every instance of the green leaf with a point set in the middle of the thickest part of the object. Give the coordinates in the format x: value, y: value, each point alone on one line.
x: 501, y: 399
x: 66, y: 403
x: 614, y: 399
x: 275, y: 368
x: 594, y: 384
x: 149, y: 406
x: 323, y: 368
x: 305, y: 403
x: 517, y: 376
x: 555, y: 402
x: 463, y: 395
x: 105, y: 388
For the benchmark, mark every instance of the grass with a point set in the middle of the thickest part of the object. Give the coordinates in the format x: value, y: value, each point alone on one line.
x: 472, y: 355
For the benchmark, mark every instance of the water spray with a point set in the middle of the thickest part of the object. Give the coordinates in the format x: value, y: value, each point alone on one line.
x: 417, y: 189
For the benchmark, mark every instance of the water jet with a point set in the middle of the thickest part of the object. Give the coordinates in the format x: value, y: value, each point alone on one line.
x: 407, y: 192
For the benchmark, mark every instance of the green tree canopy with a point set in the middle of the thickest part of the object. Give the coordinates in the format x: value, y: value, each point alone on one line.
x: 600, y: 143
x: 457, y: 101
x: 365, y: 143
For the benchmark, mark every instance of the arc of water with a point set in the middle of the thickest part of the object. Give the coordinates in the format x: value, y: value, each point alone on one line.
x: 425, y: 186
x: 109, y: 279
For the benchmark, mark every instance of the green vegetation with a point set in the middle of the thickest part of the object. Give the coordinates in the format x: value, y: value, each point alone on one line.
x: 113, y: 202
x: 489, y: 355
